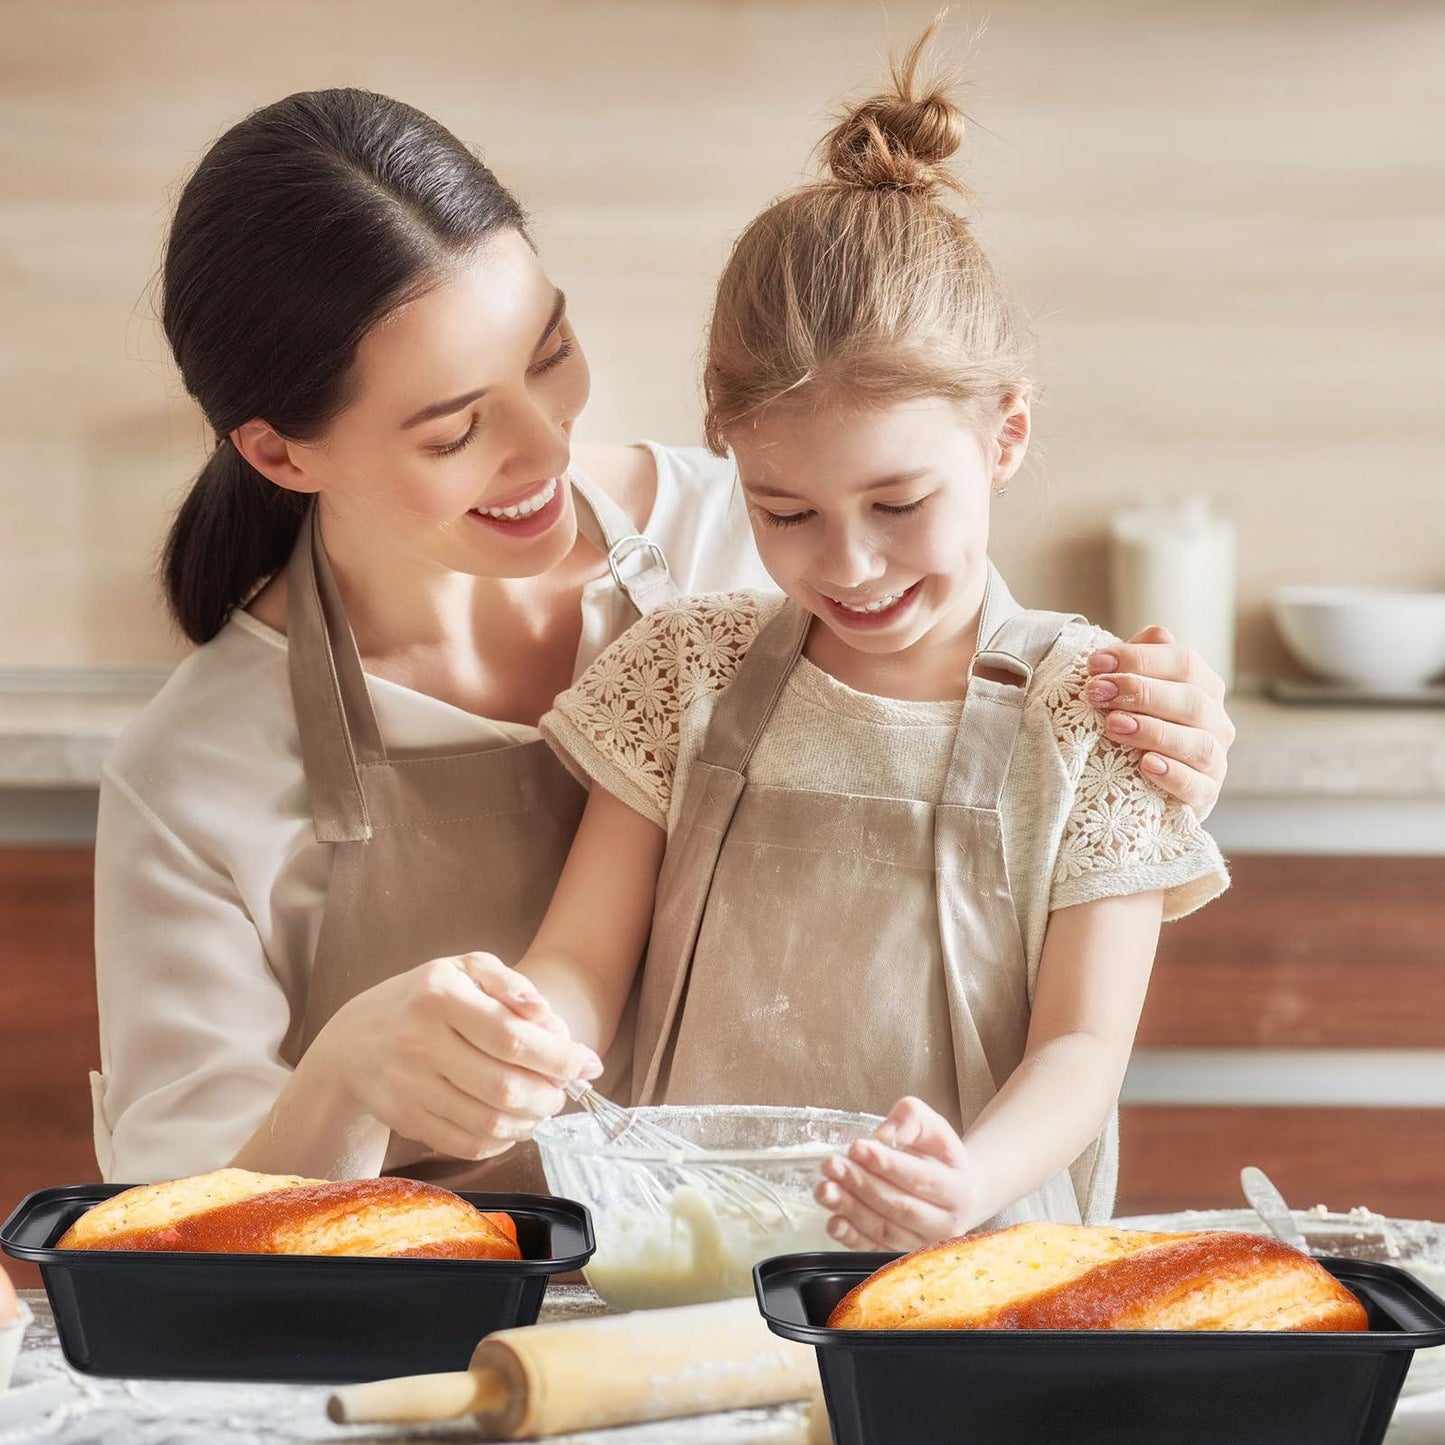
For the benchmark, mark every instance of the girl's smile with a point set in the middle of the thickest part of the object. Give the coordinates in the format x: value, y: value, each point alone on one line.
x: 885, y: 611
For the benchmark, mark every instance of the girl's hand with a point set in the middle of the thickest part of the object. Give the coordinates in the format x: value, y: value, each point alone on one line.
x: 908, y: 1186
x: 461, y: 1054
x: 1166, y: 701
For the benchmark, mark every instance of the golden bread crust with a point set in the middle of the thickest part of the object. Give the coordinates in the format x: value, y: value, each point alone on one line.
x: 235, y: 1211
x: 1043, y: 1276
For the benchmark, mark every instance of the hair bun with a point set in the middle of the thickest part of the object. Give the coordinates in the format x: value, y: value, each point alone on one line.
x: 899, y: 140
x: 896, y: 144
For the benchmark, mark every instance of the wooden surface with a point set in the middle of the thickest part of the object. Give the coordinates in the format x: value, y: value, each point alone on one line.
x: 1302, y: 952
x: 48, y: 1041
x: 1177, y: 1157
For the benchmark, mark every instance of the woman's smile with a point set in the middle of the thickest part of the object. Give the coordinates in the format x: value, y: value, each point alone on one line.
x: 529, y: 515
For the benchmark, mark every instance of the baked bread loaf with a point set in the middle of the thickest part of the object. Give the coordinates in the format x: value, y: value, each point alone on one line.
x: 234, y: 1211
x: 1091, y: 1277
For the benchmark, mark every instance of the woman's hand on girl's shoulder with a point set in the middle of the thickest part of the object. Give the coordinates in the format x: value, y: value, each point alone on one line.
x: 1166, y: 702
x: 910, y: 1185
x: 628, y: 474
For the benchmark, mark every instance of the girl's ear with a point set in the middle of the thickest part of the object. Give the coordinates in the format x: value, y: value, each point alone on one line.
x: 278, y: 460
x: 1011, y: 436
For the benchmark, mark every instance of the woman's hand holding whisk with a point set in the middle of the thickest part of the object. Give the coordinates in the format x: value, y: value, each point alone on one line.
x: 462, y: 1053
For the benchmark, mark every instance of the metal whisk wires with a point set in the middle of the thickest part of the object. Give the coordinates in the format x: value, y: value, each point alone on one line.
x: 745, y: 1191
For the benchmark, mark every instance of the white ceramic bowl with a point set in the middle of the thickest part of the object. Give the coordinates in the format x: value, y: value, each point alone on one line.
x: 1376, y: 638
x: 11, y: 1333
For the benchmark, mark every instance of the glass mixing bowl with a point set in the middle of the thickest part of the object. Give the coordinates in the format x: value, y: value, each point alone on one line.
x: 678, y: 1228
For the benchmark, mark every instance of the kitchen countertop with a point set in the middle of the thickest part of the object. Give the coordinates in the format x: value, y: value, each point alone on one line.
x: 55, y: 729
x: 48, y: 1401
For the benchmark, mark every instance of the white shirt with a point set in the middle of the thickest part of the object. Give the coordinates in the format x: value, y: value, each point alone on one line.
x: 209, y: 881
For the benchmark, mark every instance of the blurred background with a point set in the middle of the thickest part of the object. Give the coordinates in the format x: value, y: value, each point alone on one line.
x: 1224, y: 222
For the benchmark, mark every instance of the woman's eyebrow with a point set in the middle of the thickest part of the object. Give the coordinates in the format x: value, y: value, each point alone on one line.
x: 456, y: 403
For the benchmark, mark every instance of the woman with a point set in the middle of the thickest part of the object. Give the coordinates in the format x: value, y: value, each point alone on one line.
x: 342, y: 789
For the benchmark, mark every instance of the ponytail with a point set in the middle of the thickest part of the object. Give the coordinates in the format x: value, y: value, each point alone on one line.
x: 233, y: 530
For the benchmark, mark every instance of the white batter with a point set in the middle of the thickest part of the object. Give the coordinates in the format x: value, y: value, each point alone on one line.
x: 702, y: 1249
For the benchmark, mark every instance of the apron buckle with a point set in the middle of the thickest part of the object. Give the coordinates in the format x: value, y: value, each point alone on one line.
x: 1021, y: 674
x: 626, y: 547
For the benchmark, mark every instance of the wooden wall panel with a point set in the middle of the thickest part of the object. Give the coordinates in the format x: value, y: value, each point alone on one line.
x: 1302, y: 952
x: 1189, y: 1157
x: 48, y: 1040
x: 1161, y: 187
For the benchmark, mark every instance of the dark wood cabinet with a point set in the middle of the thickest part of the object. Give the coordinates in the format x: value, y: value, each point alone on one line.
x: 1305, y: 954
x: 48, y: 1039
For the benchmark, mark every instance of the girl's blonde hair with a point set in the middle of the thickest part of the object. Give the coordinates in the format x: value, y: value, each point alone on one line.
x: 865, y: 284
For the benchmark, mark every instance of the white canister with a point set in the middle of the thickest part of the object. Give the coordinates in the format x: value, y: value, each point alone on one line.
x: 1172, y: 564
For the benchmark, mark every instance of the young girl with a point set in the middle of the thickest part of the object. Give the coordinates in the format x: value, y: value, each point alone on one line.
x: 877, y: 834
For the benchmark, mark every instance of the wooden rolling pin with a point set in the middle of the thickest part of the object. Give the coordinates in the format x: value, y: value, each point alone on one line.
x: 594, y: 1373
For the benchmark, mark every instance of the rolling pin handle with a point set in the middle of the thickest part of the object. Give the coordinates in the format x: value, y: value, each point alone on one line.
x: 414, y: 1398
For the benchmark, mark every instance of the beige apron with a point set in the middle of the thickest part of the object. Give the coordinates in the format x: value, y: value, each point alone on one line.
x: 435, y: 855
x: 838, y: 951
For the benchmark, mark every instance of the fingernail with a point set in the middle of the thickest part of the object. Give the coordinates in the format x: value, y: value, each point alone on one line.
x: 1103, y: 662
x: 1102, y: 690
x: 1122, y: 722
x: 592, y: 1069
x: 1153, y: 763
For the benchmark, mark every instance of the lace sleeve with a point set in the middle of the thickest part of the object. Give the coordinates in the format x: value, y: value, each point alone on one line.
x: 1122, y: 835
x: 618, y: 725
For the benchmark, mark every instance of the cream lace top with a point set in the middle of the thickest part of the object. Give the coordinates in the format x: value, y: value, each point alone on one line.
x: 1080, y: 822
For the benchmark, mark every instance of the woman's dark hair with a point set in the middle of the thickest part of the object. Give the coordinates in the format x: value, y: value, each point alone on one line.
x: 303, y: 226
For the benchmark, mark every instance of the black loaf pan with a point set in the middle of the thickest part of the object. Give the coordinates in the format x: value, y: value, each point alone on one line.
x: 1103, y: 1387
x: 171, y: 1315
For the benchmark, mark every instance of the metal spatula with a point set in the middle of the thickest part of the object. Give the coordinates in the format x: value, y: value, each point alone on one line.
x: 1267, y: 1202
x: 1369, y: 1235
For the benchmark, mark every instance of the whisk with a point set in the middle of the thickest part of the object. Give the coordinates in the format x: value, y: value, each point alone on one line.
x: 749, y: 1194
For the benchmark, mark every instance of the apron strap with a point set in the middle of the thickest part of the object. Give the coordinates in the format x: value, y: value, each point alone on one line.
x: 339, y: 732
x: 1015, y: 641
x: 637, y: 564
x: 746, y: 704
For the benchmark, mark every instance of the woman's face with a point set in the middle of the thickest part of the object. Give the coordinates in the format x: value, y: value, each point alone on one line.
x: 455, y: 443
x: 876, y: 519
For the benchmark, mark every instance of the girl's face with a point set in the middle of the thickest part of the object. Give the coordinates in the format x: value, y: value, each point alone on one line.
x: 455, y: 443
x: 876, y: 520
